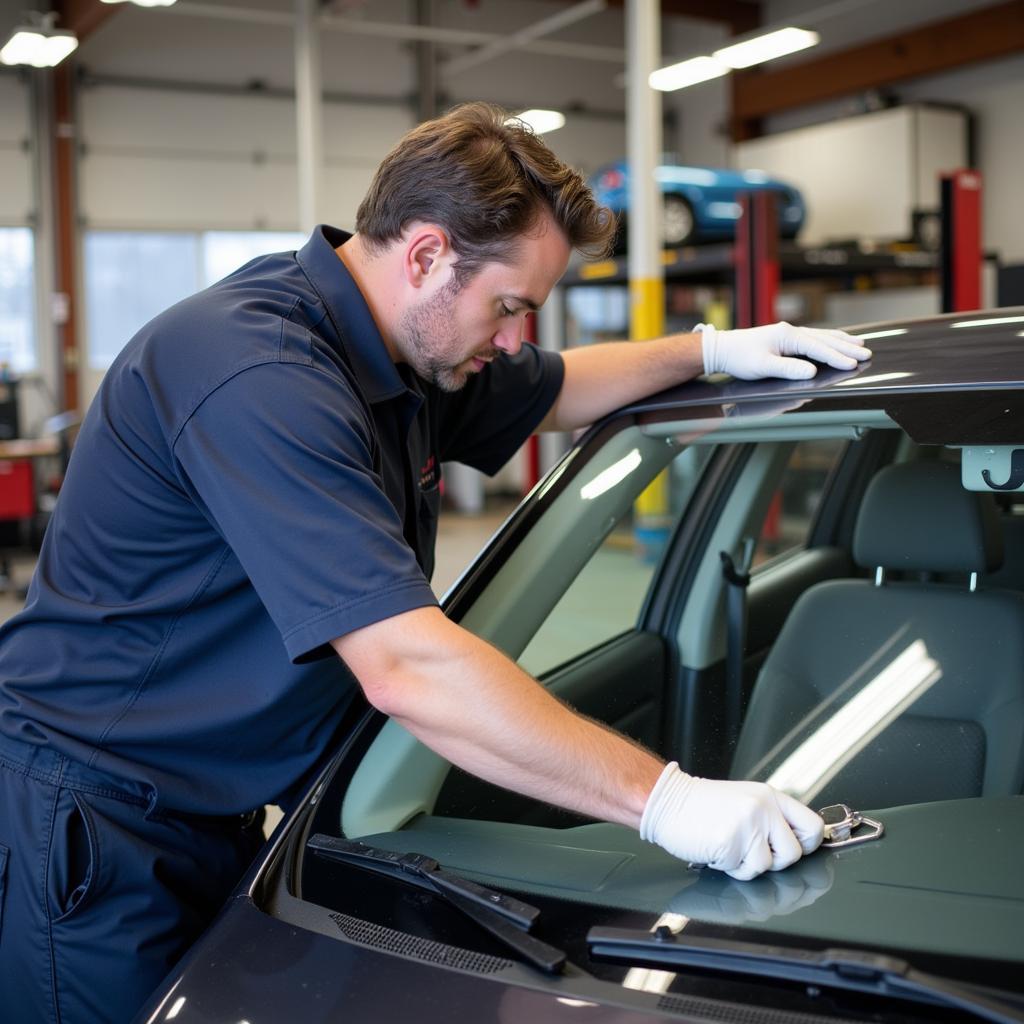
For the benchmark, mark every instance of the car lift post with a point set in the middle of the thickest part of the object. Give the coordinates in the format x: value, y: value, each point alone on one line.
x: 961, y: 241
x: 757, y: 259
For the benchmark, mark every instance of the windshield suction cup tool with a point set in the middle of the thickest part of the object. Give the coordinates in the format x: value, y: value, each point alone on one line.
x: 846, y: 827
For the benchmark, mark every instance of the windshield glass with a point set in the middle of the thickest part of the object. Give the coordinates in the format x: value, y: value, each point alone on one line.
x: 882, y: 642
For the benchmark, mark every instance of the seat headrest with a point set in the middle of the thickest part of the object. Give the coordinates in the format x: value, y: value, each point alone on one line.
x: 918, y: 517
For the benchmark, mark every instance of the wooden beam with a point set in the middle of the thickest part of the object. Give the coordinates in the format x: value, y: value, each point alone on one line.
x: 65, y: 230
x: 83, y: 17
x: 989, y: 33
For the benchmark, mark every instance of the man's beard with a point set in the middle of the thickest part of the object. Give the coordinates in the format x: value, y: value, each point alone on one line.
x: 426, y: 331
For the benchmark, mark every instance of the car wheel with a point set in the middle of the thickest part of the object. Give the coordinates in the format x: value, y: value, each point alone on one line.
x: 678, y: 224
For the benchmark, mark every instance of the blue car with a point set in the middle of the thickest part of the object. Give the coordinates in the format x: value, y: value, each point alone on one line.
x: 701, y: 203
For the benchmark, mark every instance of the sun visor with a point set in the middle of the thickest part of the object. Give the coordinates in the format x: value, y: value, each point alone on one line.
x: 993, y: 468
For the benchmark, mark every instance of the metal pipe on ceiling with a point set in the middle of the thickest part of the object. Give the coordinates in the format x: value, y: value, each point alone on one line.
x: 529, y: 34
x: 94, y: 80
x: 395, y: 30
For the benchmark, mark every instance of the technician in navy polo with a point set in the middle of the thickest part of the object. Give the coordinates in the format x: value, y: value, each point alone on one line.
x: 248, y: 523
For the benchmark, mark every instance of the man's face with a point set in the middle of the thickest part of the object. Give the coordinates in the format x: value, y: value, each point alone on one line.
x: 453, y: 331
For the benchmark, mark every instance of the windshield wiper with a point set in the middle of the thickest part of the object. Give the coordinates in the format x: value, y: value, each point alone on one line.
x: 505, y: 917
x: 838, y: 968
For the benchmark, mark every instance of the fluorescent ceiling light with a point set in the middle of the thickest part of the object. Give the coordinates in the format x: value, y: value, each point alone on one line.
x: 541, y: 121
x: 687, y: 72
x: 143, y: 3
x: 38, y: 47
x: 766, y: 47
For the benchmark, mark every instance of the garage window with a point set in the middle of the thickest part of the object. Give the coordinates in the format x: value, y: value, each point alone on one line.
x: 131, y: 276
x: 17, y: 300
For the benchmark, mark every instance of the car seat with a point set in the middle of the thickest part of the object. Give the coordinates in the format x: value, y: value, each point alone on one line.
x: 1010, y: 575
x: 879, y: 692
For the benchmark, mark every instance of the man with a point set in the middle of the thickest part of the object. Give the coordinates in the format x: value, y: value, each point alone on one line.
x: 254, y: 485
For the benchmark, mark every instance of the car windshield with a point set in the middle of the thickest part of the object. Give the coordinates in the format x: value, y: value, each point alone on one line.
x: 875, y: 659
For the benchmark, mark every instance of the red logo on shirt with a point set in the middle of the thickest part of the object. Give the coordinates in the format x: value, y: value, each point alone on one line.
x: 430, y: 474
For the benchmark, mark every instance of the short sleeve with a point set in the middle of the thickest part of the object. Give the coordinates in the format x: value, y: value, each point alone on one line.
x: 485, y: 423
x: 281, y: 459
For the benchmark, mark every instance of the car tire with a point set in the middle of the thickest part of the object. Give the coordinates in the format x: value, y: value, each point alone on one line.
x: 678, y: 224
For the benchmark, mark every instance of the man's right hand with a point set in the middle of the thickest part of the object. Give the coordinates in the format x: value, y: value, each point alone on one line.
x: 751, y: 353
x: 741, y: 828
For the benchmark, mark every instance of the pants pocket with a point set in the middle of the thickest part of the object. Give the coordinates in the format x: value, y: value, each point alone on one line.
x: 4, y: 854
x: 74, y: 856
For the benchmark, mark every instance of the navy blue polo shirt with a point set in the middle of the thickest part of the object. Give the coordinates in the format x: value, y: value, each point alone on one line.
x: 254, y: 478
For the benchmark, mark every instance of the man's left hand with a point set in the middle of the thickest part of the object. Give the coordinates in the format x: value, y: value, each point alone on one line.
x: 755, y: 352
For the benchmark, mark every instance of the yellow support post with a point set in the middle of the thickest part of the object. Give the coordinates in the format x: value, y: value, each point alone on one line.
x: 646, y: 321
x: 652, y: 513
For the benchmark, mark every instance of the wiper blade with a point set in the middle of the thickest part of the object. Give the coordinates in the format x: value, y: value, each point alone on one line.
x: 505, y: 917
x: 838, y: 968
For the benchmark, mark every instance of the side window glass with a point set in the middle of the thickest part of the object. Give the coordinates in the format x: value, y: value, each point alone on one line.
x: 608, y: 594
x: 794, y: 504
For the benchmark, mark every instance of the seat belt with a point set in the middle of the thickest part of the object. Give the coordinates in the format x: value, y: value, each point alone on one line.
x: 737, y: 578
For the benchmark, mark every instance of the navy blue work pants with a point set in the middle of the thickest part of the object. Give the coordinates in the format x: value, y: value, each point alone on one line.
x: 97, y: 900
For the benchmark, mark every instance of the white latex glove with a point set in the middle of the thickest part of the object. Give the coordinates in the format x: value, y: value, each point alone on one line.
x: 755, y: 352
x: 741, y: 828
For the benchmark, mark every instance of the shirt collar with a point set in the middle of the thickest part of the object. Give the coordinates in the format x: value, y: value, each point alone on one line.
x: 357, y: 330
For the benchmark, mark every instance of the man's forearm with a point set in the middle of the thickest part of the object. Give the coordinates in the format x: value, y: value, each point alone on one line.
x: 476, y: 708
x: 601, y: 378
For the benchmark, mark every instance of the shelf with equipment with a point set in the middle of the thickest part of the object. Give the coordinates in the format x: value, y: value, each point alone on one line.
x: 715, y: 263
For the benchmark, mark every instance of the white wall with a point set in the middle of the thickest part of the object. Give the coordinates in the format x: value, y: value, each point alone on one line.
x: 702, y: 111
x: 16, y: 195
x: 169, y: 44
x: 864, y: 176
x: 157, y: 158
x: 193, y: 156
x: 173, y: 140
x: 994, y: 93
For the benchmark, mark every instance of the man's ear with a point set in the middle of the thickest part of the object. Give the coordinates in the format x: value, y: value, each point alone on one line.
x: 427, y: 254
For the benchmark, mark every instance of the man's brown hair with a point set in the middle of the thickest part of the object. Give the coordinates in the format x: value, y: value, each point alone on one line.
x: 485, y: 179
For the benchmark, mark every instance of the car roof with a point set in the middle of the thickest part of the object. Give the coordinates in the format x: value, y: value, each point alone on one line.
x: 976, y: 351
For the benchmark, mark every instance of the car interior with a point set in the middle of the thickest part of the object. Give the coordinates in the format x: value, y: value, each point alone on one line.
x: 882, y: 641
